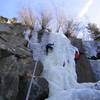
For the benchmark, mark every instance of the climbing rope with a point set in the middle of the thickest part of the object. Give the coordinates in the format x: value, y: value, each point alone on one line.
x: 29, y: 89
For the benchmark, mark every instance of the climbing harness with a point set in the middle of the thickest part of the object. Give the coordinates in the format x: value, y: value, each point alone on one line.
x: 29, y: 89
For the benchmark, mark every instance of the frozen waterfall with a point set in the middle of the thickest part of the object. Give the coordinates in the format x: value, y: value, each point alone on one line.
x: 59, y: 69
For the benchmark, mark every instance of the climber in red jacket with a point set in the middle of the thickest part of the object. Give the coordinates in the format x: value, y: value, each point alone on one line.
x: 77, y: 56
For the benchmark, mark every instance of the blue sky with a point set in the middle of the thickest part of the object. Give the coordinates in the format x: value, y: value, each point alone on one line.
x: 10, y: 8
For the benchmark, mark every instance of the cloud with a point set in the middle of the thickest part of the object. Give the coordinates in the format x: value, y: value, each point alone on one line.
x: 85, y: 10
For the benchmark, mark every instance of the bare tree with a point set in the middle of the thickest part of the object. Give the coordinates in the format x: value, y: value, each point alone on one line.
x: 60, y: 21
x: 70, y: 28
x: 44, y: 19
x: 43, y: 22
x: 27, y: 17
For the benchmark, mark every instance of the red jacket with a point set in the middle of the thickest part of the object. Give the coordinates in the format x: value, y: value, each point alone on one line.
x: 77, y: 55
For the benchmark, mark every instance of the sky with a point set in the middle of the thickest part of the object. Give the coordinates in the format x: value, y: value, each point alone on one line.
x: 83, y: 10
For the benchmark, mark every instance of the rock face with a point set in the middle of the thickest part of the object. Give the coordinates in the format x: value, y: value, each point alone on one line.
x: 39, y: 89
x: 93, y: 53
x: 17, y: 65
x: 83, y: 67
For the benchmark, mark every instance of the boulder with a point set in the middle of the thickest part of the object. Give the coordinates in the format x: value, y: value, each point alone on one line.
x: 39, y: 89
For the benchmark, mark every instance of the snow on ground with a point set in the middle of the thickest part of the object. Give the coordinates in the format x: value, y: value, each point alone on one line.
x: 76, y: 94
x: 59, y: 70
